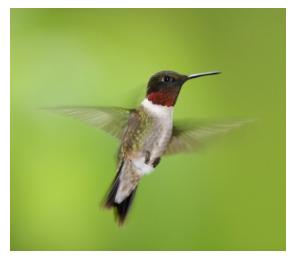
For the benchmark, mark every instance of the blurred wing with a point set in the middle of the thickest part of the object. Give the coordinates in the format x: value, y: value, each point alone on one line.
x: 110, y: 119
x: 190, y: 136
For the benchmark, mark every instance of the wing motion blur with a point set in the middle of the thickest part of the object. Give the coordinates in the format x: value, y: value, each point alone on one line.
x: 110, y: 119
x: 190, y: 136
x: 187, y: 136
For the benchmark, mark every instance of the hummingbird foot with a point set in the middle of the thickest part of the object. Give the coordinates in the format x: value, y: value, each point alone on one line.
x: 156, y: 161
x: 147, y: 157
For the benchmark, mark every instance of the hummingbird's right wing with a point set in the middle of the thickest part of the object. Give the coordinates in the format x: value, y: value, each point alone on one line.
x: 190, y: 136
x: 110, y: 119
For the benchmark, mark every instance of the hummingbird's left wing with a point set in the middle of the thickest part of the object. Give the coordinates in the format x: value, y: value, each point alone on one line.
x: 110, y: 119
x: 190, y: 136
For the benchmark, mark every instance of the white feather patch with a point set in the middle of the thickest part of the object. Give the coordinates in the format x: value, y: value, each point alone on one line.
x: 142, y: 166
x: 159, y: 110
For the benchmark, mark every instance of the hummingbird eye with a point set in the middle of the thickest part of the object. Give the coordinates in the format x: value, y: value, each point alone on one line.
x: 167, y: 78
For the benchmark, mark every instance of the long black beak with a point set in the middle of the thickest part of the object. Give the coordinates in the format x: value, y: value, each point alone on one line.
x: 203, y: 74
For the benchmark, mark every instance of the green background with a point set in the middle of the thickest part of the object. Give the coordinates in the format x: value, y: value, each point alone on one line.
x: 229, y: 197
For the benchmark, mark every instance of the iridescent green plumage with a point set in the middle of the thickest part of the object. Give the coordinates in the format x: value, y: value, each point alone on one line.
x: 138, y: 127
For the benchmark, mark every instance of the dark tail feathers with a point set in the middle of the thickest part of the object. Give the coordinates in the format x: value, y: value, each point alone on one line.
x: 122, y: 209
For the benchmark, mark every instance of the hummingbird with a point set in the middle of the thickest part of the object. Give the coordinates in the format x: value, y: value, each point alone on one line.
x: 146, y: 134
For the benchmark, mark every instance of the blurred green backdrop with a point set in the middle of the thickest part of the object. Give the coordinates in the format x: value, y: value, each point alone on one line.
x: 229, y: 197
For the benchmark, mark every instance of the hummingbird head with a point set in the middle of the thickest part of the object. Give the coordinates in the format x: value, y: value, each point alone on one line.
x: 163, y: 87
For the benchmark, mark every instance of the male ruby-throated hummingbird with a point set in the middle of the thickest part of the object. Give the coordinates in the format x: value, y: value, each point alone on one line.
x: 146, y: 134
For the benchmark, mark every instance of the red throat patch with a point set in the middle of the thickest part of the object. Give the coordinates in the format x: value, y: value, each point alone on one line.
x: 163, y: 98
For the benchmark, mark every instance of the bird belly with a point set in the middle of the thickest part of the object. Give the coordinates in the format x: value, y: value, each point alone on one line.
x: 142, y: 167
x: 153, y: 148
